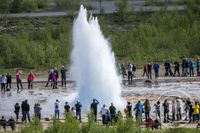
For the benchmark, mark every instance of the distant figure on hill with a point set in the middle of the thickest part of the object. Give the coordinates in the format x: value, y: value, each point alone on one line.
x: 19, y: 81
x: 145, y: 70
x: 168, y: 71
x: 54, y: 79
x: 156, y: 68
x: 149, y: 71
x: 191, y: 67
x: 63, y: 76
x: 3, y: 83
x: 198, y: 67
x: 123, y: 70
x: 50, y: 77
x: 130, y: 72
x: 176, y: 68
x: 9, y: 81
x: 30, y: 79
x: 93, y: 107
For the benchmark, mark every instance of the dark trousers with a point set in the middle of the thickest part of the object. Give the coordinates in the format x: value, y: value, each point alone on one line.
x: 158, y: 113
x: 8, y: 84
x: 64, y: 81
x: 191, y: 72
x: 173, y: 116
x: 30, y: 84
x: 57, y: 114
x: 149, y: 75
x: 17, y: 115
x: 147, y: 116
x: 130, y: 76
x: 19, y: 82
x: 3, y: 88
x: 178, y: 115
x: 27, y: 116
x: 49, y: 79
x: 176, y: 70
x: 104, y: 119
x: 166, y: 116
x: 78, y: 115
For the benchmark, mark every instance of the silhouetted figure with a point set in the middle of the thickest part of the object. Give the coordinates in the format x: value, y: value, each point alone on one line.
x: 93, y: 107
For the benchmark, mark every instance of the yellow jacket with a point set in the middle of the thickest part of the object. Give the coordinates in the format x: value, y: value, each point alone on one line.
x: 196, y: 109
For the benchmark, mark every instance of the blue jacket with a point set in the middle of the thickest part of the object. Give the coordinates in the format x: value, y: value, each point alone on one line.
x: 156, y: 67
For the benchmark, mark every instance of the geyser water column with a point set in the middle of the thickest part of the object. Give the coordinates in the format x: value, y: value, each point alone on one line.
x: 93, y: 63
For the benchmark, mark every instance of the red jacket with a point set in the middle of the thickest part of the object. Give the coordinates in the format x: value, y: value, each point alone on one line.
x: 31, y: 77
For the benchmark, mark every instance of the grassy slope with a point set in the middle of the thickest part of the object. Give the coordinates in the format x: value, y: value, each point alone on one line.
x: 139, y: 38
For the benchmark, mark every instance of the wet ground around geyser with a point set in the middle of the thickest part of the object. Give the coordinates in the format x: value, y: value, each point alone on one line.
x: 140, y: 90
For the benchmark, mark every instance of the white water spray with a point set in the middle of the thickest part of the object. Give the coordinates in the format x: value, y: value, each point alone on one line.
x: 93, y: 63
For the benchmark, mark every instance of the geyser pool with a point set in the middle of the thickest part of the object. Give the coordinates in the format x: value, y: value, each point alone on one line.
x: 93, y: 63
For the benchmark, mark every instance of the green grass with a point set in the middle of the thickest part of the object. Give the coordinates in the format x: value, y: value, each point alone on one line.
x: 39, y: 43
x: 70, y: 125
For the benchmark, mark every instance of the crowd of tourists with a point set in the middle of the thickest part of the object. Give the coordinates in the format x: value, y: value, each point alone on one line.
x: 184, y: 69
x: 144, y: 112
x: 53, y: 75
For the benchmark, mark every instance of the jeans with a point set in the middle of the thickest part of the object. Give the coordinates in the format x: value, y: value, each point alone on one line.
x: 57, y: 114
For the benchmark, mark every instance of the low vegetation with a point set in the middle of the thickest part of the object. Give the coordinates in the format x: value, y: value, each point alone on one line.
x: 139, y: 37
x: 70, y: 125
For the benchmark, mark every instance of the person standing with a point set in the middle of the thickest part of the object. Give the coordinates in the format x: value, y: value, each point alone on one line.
x: 9, y: 81
x: 54, y: 79
x: 103, y: 113
x: 78, y: 107
x: 191, y: 67
x: 149, y: 69
x: 147, y: 109
x: 67, y: 107
x: 166, y: 111
x: 157, y: 108
x: 130, y: 72
x: 93, y: 108
x: 112, y: 113
x: 63, y: 76
x: 138, y: 111
x: 3, y: 83
x: 196, y: 112
x: 30, y: 79
x: 176, y: 68
x: 50, y: 77
x: 123, y: 70
x: 17, y: 109
x: 198, y: 67
x: 178, y: 109
x: 19, y: 81
x: 173, y: 110
x: 57, y: 74
x: 156, y: 68
x: 57, y: 109
x: 129, y: 110
x: 145, y: 70
x: 26, y: 111
x: 37, y: 110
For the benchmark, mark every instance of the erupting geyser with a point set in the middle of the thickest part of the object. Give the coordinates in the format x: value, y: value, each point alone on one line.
x: 93, y: 63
